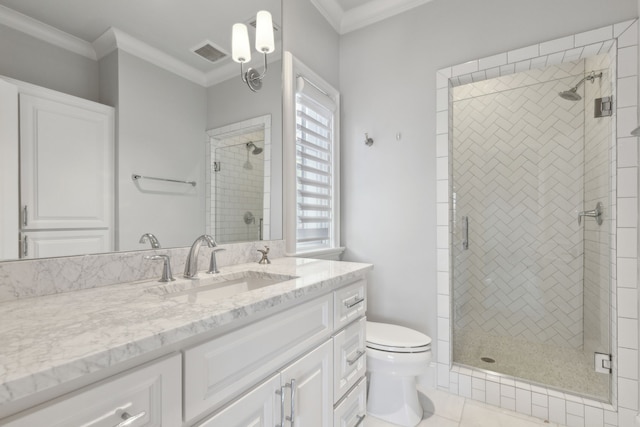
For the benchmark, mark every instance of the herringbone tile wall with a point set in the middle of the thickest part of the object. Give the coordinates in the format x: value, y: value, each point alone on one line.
x: 518, y: 174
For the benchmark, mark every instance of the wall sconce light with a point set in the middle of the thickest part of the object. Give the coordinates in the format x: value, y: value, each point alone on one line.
x: 241, y: 51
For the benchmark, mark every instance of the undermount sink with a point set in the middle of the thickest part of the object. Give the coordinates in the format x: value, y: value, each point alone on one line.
x: 214, y: 287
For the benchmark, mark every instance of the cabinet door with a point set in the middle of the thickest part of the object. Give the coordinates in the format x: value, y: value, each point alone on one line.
x: 149, y: 396
x: 349, y: 361
x: 66, y: 163
x: 44, y: 244
x: 259, y: 407
x: 308, y: 388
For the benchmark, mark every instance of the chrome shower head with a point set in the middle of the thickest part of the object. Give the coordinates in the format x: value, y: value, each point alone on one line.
x: 572, y: 94
x: 256, y: 150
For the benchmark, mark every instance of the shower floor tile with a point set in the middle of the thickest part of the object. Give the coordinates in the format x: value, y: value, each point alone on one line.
x: 557, y: 367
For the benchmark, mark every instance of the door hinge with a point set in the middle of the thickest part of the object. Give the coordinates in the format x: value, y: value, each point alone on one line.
x: 602, y: 362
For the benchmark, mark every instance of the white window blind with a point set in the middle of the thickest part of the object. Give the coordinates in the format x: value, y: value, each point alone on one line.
x: 315, y: 146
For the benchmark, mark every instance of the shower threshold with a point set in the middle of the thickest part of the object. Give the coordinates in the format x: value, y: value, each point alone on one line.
x: 560, y: 368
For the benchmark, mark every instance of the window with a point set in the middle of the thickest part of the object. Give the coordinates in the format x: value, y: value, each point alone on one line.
x: 313, y: 223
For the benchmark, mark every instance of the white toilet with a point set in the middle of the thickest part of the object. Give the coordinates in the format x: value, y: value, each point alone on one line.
x: 395, y: 357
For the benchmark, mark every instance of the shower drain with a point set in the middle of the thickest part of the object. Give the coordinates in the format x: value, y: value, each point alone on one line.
x: 487, y: 359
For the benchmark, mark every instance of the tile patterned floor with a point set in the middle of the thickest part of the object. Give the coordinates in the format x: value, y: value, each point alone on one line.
x: 442, y: 409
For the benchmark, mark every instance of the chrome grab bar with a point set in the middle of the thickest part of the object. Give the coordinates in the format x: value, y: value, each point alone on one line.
x: 136, y: 177
x: 465, y: 233
x: 594, y: 213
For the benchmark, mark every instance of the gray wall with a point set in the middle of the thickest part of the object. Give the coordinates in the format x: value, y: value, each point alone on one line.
x: 311, y: 39
x: 25, y: 57
x: 161, y: 123
x: 387, y: 80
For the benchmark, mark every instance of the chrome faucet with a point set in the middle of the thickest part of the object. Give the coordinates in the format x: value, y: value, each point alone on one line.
x: 191, y: 266
x: 152, y: 239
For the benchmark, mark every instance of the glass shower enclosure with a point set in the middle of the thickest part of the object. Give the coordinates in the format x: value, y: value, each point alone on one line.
x: 531, y: 222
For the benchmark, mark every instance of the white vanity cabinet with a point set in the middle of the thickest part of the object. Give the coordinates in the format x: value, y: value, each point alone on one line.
x: 148, y: 396
x: 317, y: 388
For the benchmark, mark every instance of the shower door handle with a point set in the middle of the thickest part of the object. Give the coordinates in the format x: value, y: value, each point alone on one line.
x: 465, y: 233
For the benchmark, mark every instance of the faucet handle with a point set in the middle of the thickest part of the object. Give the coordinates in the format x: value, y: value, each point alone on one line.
x: 213, y: 263
x: 265, y: 253
x: 167, y: 276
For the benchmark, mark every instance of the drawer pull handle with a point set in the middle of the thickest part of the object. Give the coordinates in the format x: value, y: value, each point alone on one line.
x: 281, y: 393
x: 360, y: 420
x: 130, y: 419
x: 359, y: 354
x: 292, y: 417
x: 354, y: 303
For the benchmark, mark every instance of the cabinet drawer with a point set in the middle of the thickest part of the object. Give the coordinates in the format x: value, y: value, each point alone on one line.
x: 152, y: 393
x: 352, y: 410
x: 222, y: 368
x: 349, y: 358
x: 349, y: 303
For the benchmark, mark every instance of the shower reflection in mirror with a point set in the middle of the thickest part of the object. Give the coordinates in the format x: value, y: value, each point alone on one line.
x: 238, y: 180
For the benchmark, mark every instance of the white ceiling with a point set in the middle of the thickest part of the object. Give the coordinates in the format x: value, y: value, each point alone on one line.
x: 350, y: 15
x: 162, y: 26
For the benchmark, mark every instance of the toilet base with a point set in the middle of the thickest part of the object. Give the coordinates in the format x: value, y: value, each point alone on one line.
x: 394, y: 399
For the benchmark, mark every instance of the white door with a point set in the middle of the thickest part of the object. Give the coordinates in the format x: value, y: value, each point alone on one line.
x: 9, y: 204
x: 66, y: 163
x: 309, y: 388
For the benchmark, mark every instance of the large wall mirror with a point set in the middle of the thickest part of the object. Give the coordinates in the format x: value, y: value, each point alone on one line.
x: 166, y: 68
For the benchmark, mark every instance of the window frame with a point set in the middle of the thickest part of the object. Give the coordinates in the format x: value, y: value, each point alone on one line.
x: 292, y: 69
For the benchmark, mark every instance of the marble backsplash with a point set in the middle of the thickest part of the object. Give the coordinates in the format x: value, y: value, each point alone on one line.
x: 38, y: 277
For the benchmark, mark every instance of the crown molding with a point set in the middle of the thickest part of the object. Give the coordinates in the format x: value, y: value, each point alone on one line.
x: 359, y: 17
x: 44, y: 32
x: 332, y: 12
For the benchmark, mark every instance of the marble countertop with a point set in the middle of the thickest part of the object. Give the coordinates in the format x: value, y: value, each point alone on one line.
x: 46, y: 341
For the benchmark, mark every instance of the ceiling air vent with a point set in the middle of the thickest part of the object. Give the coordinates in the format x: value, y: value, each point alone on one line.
x: 209, y: 52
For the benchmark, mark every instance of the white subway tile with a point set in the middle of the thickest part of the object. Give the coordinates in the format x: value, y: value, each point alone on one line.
x: 627, y: 242
x: 593, y: 417
x: 523, y: 401
x: 493, y: 61
x: 557, y: 410
x: 443, y: 329
x: 541, y: 412
x: 507, y: 391
x: 466, y: 68
x: 493, y: 393
x: 627, y: 92
x: 627, y: 152
x: 627, y: 182
x: 442, y: 99
x: 558, y: 45
x: 442, y: 122
x: 627, y: 121
x: 627, y: 274
x: 628, y: 333
x: 523, y: 53
x: 539, y: 399
x: 627, y: 61
x: 508, y: 403
x: 628, y: 393
x: 628, y: 303
x: 464, y: 385
x: 443, y: 375
x: 621, y: 27
x: 627, y: 363
x: 443, y: 306
x: 628, y: 37
x: 593, y: 36
x: 442, y: 145
x: 574, y: 421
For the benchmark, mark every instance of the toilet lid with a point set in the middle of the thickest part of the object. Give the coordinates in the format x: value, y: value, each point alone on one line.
x: 395, y: 338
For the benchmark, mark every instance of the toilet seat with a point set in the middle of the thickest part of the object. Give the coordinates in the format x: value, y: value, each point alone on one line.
x: 396, y: 339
